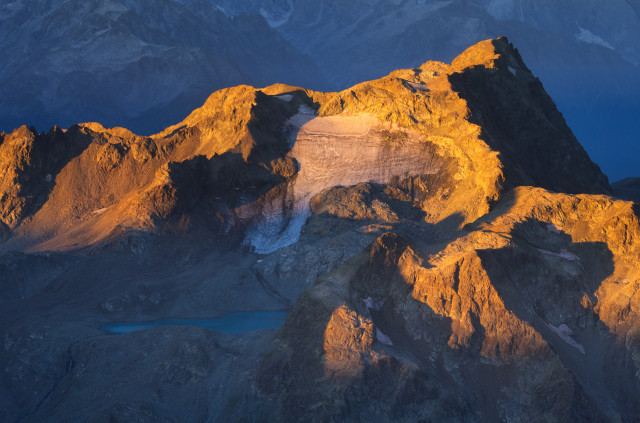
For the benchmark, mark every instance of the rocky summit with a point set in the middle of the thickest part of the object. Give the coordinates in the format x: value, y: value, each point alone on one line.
x: 444, y: 248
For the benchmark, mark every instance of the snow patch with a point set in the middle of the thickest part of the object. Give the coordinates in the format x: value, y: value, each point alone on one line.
x: 564, y: 253
x: 333, y: 151
x: 372, y: 304
x: 417, y: 86
x: 382, y: 338
x: 512, y: 70
x: 589, y: 37
x: 285, y: 97
x: 564, y: 332
x: 276, y: 232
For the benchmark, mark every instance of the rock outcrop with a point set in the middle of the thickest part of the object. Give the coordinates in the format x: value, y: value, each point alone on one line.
x: 526, y: 296
x: 589, y: 66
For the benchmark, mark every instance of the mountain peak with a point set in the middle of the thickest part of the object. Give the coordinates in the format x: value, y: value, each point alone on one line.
x: 485, y: 123
x: 497, y: 53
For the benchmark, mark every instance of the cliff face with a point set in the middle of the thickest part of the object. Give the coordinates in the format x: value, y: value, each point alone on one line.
x: 434, y: 123
x: 341, y: 151
x: 446, y: 248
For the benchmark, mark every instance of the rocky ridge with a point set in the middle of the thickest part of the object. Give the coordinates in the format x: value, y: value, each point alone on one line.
x: 69, y: 61
x: 497, y: 281
x: 584, y: 51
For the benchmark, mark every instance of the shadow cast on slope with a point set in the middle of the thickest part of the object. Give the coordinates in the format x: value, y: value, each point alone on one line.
x: 550, y: 282
x: 521, y: 122
x: 37, y: 163
x: 495, y: 352
x: 370, y: 381
x: 236, y: 188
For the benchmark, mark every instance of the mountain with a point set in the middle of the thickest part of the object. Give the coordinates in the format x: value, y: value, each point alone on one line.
x: 144, y: 64
x: 444, y: 247
x: 585, y: 53
x: 138, y: 63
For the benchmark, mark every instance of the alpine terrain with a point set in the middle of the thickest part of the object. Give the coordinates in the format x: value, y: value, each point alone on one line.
x: 433, y: 245
x: 144, y: 64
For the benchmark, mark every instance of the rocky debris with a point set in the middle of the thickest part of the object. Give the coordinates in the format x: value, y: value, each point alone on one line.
x: 73, y: 295
x: 366, y: 201
x: 205, y: 367
x: 24, y: 275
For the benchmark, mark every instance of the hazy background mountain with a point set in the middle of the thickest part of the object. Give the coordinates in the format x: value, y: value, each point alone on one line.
x: 142, y: 63
x: 136, y: 63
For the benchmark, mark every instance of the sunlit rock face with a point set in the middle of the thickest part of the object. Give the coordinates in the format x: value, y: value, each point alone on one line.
x: 513, y: 306
x: 337, y: 151
x: 588, y: 65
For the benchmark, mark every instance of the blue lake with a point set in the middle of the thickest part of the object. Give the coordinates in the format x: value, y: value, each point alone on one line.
x: 232, y: 323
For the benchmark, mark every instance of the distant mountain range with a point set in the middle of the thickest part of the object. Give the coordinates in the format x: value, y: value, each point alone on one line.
x: 136, y: 63
x: 142, y: 63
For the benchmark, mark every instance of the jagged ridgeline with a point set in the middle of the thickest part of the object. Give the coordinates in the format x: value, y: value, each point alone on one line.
x: 446, y: 247
x: 453, y: 137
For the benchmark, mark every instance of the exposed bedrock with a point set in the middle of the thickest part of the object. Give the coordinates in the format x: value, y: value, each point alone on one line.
x: 467, y: 131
